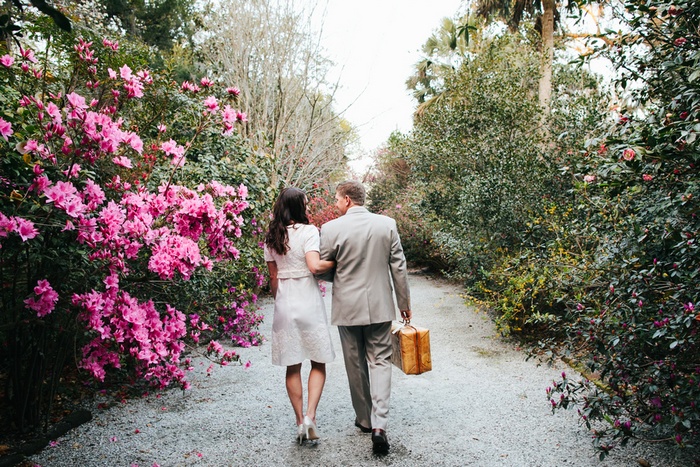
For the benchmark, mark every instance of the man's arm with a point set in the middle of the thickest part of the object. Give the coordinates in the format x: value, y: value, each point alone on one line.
x: 399, y: 275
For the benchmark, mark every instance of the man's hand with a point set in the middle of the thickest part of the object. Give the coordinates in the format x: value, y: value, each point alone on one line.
x: 406, y: 315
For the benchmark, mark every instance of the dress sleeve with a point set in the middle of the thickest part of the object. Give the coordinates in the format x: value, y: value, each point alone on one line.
x: 311, y: 239
x: 268, y: 254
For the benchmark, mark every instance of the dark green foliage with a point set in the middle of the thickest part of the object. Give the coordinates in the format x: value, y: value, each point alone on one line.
x: 159, y: 23
x: 639, y: 320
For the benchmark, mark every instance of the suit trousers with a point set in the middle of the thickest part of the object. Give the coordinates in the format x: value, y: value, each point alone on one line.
x: 367, y: 355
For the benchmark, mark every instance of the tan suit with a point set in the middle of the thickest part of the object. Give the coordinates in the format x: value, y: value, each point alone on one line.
x: 369, y: 257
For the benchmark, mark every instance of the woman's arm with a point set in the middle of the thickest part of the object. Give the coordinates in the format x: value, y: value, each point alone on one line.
x: 316, y: 265
x: 272, y: 267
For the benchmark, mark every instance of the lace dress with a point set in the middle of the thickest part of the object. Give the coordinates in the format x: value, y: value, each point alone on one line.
x: 300, y: 327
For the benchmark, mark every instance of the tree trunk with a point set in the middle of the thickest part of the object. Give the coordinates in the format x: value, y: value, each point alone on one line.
x: 545, y: 91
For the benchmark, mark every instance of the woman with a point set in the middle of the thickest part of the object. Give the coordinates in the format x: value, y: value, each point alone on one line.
x: 300, y: 328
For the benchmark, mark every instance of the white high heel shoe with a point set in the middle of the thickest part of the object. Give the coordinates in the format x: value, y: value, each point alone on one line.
x: 310, y: 428
x: 301, y: 434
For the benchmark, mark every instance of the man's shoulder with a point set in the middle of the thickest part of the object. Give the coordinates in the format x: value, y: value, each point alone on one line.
x: 332, y: 222
x: 383, y: 218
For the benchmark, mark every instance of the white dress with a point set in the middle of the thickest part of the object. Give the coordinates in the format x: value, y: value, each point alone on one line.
x: 300, y: 327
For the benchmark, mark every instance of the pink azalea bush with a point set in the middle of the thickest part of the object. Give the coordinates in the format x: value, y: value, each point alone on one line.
x: 92, y: 211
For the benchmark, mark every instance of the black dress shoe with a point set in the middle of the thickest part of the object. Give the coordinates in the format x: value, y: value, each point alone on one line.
x: 363, y: 429
x: 380, y: 443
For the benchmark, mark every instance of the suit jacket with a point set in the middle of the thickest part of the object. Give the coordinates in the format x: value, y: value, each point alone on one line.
x: 369, y: 257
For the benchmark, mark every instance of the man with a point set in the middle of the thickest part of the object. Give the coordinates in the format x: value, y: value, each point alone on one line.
x: 369, y: 258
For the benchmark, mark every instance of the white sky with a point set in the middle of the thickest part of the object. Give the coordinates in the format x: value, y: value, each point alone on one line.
x: 376, y: 43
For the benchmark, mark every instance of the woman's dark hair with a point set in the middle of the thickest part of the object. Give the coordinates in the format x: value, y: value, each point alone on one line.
x: 290, y: 208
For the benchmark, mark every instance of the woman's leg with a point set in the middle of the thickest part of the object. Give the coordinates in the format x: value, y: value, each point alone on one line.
x: 317, y: 379
x: 295, y: 391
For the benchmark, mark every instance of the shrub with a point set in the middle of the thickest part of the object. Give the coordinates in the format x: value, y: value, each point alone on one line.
x: 639, y: 323
x: 94, y: 230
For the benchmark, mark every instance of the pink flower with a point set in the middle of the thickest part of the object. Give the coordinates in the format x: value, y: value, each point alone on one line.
x: 206, y: 82
x: 41, y: 183
x: 27, y: 55
x: 5, y: 129
x: 7, y: 225
x: 76, y: 101
x: 145, y: 77
x: 123, y: 161
x: 112, y: 74
x: 228, y: 114
x: 73, y: 172
x: 54, y: 112
x: 242, y: 191
x: 628, y: 154
x: 647, y: 177
x: 233, y: 91
x: 169, y: 147
x: 162, y: 128
x: 45, y: 300
x: 135, y: 142
x: 59, y: 192
x: 110, y: 45
x: 211, y: 103
x: 25, y: 229
x: 7, y: 60
x: 125, y: 72
x: 680, y: 42
x: 589, y: 178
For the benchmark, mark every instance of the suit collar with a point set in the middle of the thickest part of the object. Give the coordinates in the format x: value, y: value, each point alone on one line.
x: 356, y: 209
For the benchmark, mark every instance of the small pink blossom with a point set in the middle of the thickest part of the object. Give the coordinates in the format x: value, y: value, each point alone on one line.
x: 110, y: 45
x: 73, y: 171
x: 125, y: 72
x: 76, y: 101
x: 5, y: 129
x: 7, y: 60
x: 233, y: 91
x: 628, y: 154
x: 242, y: 191
x: 123, y: 161
x: 211, y: 103
x: 589, y: 178
x: 206, y: 82
x: 680, y: 42
x: 45, y: 299
x: 647, y: 177
x: 54, y: 112
x: 25, y: 229
x: 162, y: 128
x: 27, y: 55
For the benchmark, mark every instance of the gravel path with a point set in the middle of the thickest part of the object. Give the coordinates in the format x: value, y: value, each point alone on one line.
x: 482, y: 405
